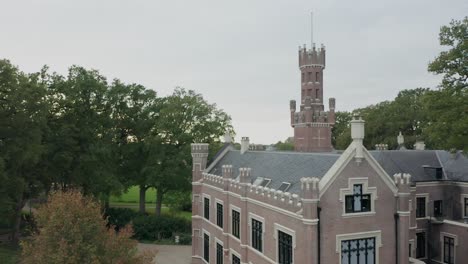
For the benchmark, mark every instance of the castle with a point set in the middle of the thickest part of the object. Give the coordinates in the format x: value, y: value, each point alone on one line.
x: 317, y: 206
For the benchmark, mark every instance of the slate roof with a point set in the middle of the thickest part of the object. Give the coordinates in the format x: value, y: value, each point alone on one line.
x: 278, y: 166
x: 290, y: 167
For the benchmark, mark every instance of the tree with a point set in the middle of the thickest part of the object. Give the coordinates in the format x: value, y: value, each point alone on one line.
x: 284, y: 145
x: 23, y: 111
x: 447, y: 111
x: 72, y: 230
x: 185, y: 117
x: 341, y: 136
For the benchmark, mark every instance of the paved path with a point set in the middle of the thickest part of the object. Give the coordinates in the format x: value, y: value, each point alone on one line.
x: 169, y: 254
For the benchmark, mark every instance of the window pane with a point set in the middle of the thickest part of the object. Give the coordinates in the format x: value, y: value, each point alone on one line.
x: 284, y: 248
x: 466, y: 207
x: 235, y: 223
x: 219, y: 254
x: 206, y: 247
x: 235, y: 259
x: 207, y: 208
x: 219, y: 215
x: 257, y: 232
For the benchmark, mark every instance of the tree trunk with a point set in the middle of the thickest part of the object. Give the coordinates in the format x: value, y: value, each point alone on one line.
x: 17, y: 224
x: 159, y: 197
x: 142, y: 199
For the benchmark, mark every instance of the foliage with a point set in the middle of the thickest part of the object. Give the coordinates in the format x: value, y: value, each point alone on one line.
x: 119, y: 217
x: 447, y: 108
x: 178, y: 200
x: 159, y: 227
x: 73, y: 230
x: 341, y: 136
x: 132, y: 195
x: 284, y: 146
x: 9, y: 254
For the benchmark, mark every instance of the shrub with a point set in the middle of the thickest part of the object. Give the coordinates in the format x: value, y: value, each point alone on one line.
x: 71, y: 229
x: 120, y: 217
x: 149, y: 227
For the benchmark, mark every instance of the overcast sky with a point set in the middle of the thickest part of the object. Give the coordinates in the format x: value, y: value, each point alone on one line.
x: 241, y: 55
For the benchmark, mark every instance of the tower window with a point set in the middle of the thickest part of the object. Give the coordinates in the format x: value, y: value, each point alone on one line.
x: 302, y: 77
x: 317, y: 74
x: 310, y: 77
x: 316, y: 93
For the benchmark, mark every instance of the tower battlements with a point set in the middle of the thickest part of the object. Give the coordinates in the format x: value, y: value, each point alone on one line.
x: 314, y: 57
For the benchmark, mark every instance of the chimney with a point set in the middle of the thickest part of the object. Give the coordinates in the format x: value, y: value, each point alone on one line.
x: 357, y: 134
x: 244, y: 145
x: 227, y: 138
x: 419, y: 145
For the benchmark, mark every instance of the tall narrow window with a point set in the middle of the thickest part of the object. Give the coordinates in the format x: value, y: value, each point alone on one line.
x: 466, y: 207
x: 438, y: 210
x: 206, y: 247
x: 235, y: 259
x: 310, y: 76
x: 219, y: 253
x: 449, y: 250
x: 420, y: 207
x: 317, y: 75
x: 285, y: 248
x: 302, y: 78
x: 257, y: 235
x: 316, y: 93
x: 358, y: 251
x: 358, y: 202
x: 420, y: 245
x: 219, y: 215
x: 235, y: 224
x: 207, y: 208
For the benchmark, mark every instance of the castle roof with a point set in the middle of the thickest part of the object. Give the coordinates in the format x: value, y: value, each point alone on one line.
x: 284, y: 166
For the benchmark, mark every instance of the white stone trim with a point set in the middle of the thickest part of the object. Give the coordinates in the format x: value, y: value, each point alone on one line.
x: 370, y: 234
x: 364, y: 181
x: 450, y: 222
x: 292, y: 233
x: 235, y: 208
x: 344, y: 159
x: 464, y: 214
x: 253, y: 201
x: 235, y: 253
x: 413, y: 248
x: 426, y: 197
x: 455, y: 244
x: 262, y: 220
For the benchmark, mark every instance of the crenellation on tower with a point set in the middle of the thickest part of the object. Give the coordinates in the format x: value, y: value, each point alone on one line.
x: 312, y: 124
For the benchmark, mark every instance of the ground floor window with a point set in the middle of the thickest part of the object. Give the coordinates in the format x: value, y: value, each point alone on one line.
x: 235, y: 259
x: 420, y: 245
x: 449, y: 250
x: 219, y: 253
x: 285, y: 248
x: 358, y: 251
x: 206, y: 247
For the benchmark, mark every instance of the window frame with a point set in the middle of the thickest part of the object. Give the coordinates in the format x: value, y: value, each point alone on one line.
x: 231, y: 215
x: 366, y: 190
x: 262, y: 235
x: 464, y: 202
x: 361, y: 235
x: 360, y: 196
x: 205, y: 257
x: 219, y: 242
x: 285, y: 189
x: 219, y: 202
x: 426, y: 199
x: 205, y: 212
x: 440, y: 212
x: 443, y: 235
x: 417, y: 248
x: 234, y: 254
x: 280, y: 228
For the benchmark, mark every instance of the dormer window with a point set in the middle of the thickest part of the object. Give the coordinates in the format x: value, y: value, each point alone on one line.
x: 265, y: 182
x: 284, y: 186
x: 435, y: 172
x: 358, y: 202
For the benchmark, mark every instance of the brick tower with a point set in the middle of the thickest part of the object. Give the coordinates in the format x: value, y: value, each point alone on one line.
x: 312, y: 125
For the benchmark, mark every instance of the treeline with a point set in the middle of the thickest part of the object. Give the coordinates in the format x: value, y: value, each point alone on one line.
x: 80, y: 131
x: 438, y: 117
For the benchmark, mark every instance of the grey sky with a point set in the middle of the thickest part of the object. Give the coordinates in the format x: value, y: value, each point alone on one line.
x: 239, y: 54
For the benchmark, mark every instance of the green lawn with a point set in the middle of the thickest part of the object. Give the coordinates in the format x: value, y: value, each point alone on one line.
x: 133, y: 196
x: 8, y: 254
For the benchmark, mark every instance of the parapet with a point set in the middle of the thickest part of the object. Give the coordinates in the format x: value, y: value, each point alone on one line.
x: 312, y: 57
x: 200, y: 147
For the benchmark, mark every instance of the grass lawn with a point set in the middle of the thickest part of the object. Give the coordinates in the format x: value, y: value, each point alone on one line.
x: 8, y: 254
x: 133, y: 196
x: 150, y: 208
